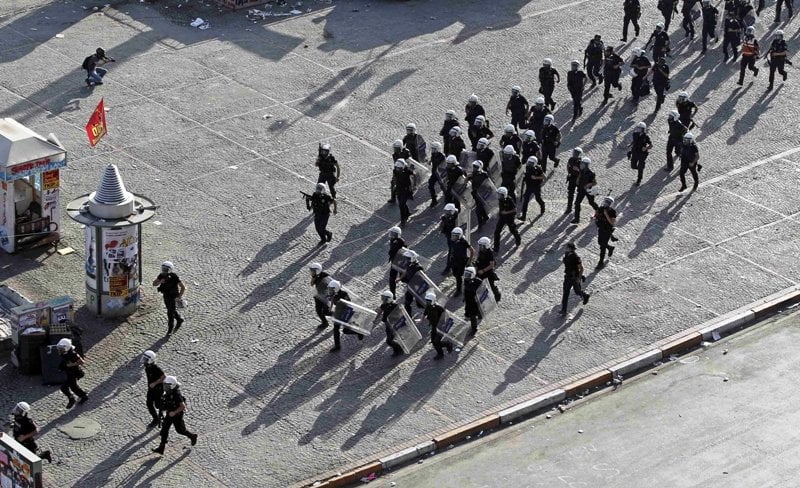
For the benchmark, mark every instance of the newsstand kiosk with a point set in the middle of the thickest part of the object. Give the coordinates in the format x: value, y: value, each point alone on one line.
x: 29, y: 187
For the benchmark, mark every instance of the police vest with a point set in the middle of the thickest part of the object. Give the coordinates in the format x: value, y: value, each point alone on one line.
x: 749, y: 47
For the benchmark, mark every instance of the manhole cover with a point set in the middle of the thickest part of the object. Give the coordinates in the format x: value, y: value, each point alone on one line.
x: 81, y: 428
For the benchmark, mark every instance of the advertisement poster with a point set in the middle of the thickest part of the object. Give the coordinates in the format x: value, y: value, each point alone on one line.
x: 91, y: 265
x: 120, y: 261
x: 50, y: 204
x: 19, y: 468
x: 50, y: 180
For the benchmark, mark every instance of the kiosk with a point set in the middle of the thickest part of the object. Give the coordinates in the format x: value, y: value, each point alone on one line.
x: 29, y: 187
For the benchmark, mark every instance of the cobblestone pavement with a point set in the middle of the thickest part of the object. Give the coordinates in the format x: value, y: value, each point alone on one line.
x: 220, y: 127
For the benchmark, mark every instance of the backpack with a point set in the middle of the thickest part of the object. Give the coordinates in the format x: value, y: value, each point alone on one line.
x: 85, y: 64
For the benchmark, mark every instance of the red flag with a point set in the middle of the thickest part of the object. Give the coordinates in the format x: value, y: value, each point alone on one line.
x: 96, y: 128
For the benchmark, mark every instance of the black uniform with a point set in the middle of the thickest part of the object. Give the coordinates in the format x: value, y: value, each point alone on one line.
x: 24, y: 425
x: 639, y: 84
x: 169, y: 288
x: 660, y: 40
x: 472, y: 310
x: 686, y: 111
x: 395, y: 244
x: 477, y: 178
x: 531, y: 148
x: 437, y: 160
x: 410, y: 142
x: 612, y: 69
x: 667, y: 8
x: 457, y: 146
x: 447, y: 223
x: 485, y: 156
x: 328, y: 169
x: 445, y: 133
x: 640, y: 148
x: 399, y: 153
x: 172, y: 401
x: 660, y: 81
x: 585, y: 177
x: 412, y: 269
x: 689, y: 156
x: 572, y: 279
x: 573, y: 170
x: 512, y: 140
x: 486, y: 258
x: 459, y: 259
x: 675, y: 140
x: 404, y: 182
x: 632, y: 10
x: 154, y: 394
x: 688, y: 21
x: 576, y: 80
x: 532, y: 186
x: 475, y: 133
x: 386, y: 309
x: 710, y: 14
x: 337, y: 344
x: 593, y: 61
x: 548, y: 77
x: 518, y: 106
x: 321, y: 306
x: 551, y: 140
x: 778, y: 5
x: 506, y: 217
x: 604, y: 231
x: 74, y: 373
x: 320, y: 204
x: 509, y: 167
x: 454, y: 172
x: 433, y: 313
x: 471, y: 113
x: 536, y: 120
x: 732, y: 37
x: 777, y: 62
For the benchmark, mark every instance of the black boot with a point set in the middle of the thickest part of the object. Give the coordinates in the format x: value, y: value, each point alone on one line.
x: 71, y: 402
x: 46, y: 455
x: 159, y: 449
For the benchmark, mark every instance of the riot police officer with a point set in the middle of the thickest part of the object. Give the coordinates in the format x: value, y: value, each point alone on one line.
x: 710, y: 16
x: 532, y: 186
x: 639, y: 150
x: 688, y: 21
x: 399, y: 152
x: 410, y: 141
x: 732, y: 36
x: 778, y: 5
x: 509, y: 167
x: 606, y: 219
x: 329, y: 170
x: 476, y: 179
x: 612, y: 69
x: 484, y: 154
x: 548, y: 77
x: 155, y: 386
x: 573, y: 276
x: 586, y: 181
x: 433, y: 313
x: 518, y: 107
x: 320, y: 306
x: 473, y: 110
x: 387, y: 307
x: 675, y: 138
x: 660, y: 40
x: 536, y: 117
x: 690, y: 155
x: 551, y: 140
x: 405, y: 180
x: 686, y: 109
x: 511, y: 138
x: 172, y: 288
x: 450, y: 121
x: 478, y: 130
x: 667, y: 9
x: 573, y: 171
x: 660, y: 81
x: 641, y: 67
x: 437, y: 160
x: 320, y: 203
x: 593, y: 60
x: 460, y: 256
x: 749, y: 56
x: 507, y: 214
x: 454, y: 172
x: 25, y: 430
x: 485, y: 266
x: 413, y: 268
x: 447, y: 222
x: 396, y: 243
x: 472, y: 310
x: 457, y: 145
x: 576, y: 82
x: 71, y: 363
x: 529, y: 145
x: 174, y: 405
x: 632, y: 10
x: 336, y: 293
x: 777, y: 57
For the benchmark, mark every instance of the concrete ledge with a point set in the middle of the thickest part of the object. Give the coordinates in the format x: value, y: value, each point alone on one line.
x: 689, y: 341
x: 770, y: 307
x: 400, y: 457
x: 531, y: 405
x: 459, y: 433
x: 727, y: 323
x: 351, y: 477
x: 425, y: 447
x: 597, y: 379
x: 639, y: 362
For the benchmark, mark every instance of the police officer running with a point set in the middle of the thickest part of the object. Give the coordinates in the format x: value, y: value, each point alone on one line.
x: 336, y: 294
x: 573, y: 276
x: 509, y: 167
x: 532, y: 186
x: 660, y: 40
x: 396, y: 243
x: 174, y: 405
x: 320, y: 306
x: 461, y: 255
x: 641, y: 67
x: 329, y: 170
x: 687, y: 109
x: 472, y: 310
x: 485, y: 266
x: 450, y: 121
x: 507, y: 214
x: 473, y: 110
x: 612, y: 69
x: 511, y: 138
x: 536, y: 117
x: 732, y: 36
x: 320, y: 203
x: 477, y: 178
x: 573, y: 171
x: 171, y: 286
x: 777, y: 57
x: 606, y: 219
x: 405, y: 181
x: 71, y: 363
x: 454, y: 172
x: 457, y: 145
x: 518, y: 107
x: 660, y: 81
x: 551, y: 140
x: 675, y: 139
x: 25, y: 430
x: 749, y: 55
x: 593, y: 60
x: 640, y: 148
x: 387, y: 307
x: 586, y: 181
x: 399, y: 151
x: 710, y: 16
x: 437, y: 161
x: 548, y: 77
x: 576, y: 82
x: 413, y: 268
x: 433, y: 313
x: 155, y: 387
x: 690, y: 155
x: 447, y: 222
x: 632, y: 10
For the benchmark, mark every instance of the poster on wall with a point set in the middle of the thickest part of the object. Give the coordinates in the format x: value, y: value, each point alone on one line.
x: 120, y: 261
x: 19, y: 468
x: 91, y: 265
x: 50, y: 203
x: 50, y: 180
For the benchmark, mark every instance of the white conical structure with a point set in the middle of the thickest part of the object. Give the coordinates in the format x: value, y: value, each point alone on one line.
x: 111, y: 200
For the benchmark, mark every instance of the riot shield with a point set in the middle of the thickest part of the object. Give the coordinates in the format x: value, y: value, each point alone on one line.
x: 353, y: 317
x: 486, y: 301
x: 406, y: 333
x: 420, y: 284
x: 697, y: 11
x: 453, y: 328
x: 400, y: 262
x: 422, y: 148
x: 750, y: 18
x: 487, y: 193
x: 464, y: 220
x: 494, y: 169
x: 461, y: 190
x: 320, y: 290
x: 467, y: 158
x: 422, y: 171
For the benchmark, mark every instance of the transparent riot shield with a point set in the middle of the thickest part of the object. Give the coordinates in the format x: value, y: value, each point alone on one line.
x: 406, y: 333
x: 354, y: 317
x: 420, y: 284
x: 453, y: 328
x: 422, y: 148
x: 422, y: 171
x: 487, y: 193
x: 494, y: 169
x: 462, y: 191
x: 464, y: 220
x: 467, y: 158
x: 400, y: 262
x: 486, y: 301
x: 320, y: 290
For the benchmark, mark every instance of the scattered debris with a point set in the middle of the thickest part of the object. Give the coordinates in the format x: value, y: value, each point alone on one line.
x: 267, y: 116
x: 654, y: 373
x: 59, y: 36
x: 295, y: 12
x: 725, y: 352
x: 705, y: 344
x: 580, y: 431
x: 548, y: 416
x: 156, y: 222
x: 197, y: 22
x: 725, y: 379
x: 715, y: 335
x: 65, y: 251
x: 520, y: 342
x: 371, y: 477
